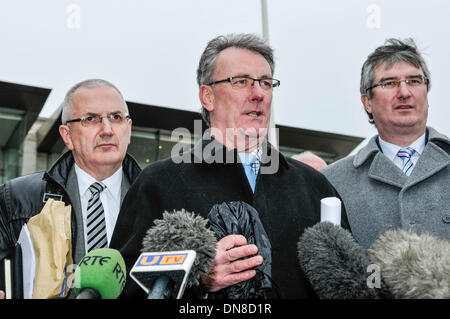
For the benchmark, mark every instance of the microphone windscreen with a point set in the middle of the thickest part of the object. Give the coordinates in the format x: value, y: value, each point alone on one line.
x: 412, y: 265
x: 241, y: 218
x: 103, y: 270
x: 183, y: 230
x: 335, y: 263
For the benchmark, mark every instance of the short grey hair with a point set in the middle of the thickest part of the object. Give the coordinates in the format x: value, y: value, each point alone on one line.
x: 300, y: 155
x: 66, y: 105
x: 393, y: 51
x: 207, y: 62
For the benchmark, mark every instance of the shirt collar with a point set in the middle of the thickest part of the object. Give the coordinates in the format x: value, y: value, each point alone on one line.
x: 269, y: 152
x: 112, y: 183
x: 249, y: 158
x: 391, y: 150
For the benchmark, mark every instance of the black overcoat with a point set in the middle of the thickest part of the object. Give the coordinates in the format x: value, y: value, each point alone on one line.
x: 287, y: 201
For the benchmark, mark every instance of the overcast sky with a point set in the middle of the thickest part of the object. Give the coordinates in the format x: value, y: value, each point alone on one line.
x: 150, y: 50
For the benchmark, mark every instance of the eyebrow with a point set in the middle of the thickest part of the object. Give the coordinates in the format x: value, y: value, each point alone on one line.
x: 96, y: 114
x: 248, y: 76
x: 395, y: 77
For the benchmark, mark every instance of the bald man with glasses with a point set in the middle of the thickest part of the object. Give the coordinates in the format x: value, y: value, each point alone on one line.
x: 93, y: 176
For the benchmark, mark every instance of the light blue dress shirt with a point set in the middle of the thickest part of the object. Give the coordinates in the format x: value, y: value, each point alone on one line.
x: 247, y: 160
x: 391, y: 150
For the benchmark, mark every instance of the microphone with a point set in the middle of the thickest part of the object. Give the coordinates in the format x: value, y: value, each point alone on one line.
x: 241, y: 218
x: 336, y: 265
x: 101, y: 274
x: 176, y: 252
x: 412, y: 265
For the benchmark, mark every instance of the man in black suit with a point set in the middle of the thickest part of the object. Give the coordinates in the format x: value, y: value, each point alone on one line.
x: 234, y: 162
x: 96, y: 128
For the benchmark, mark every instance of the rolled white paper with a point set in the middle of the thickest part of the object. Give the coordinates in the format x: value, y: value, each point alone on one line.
x: 330, y: 210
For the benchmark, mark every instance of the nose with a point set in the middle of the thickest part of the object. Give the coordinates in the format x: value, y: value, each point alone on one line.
x: 257, y: 93
x: 106, y: 127
x: 403, y: 90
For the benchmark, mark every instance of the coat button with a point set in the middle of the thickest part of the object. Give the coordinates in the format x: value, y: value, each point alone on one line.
x: 446, y: 219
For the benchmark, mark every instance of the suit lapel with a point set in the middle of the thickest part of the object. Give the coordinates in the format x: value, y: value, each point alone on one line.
x: 384, y: 170
x: 73, y: 190
x: 381, y: 168
x: 432, y: 160
x: 124, y: 187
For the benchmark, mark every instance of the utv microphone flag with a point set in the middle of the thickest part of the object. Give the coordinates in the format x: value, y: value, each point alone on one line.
x: 161, y: 259
x: 166, y: 274
x: 174, y: 264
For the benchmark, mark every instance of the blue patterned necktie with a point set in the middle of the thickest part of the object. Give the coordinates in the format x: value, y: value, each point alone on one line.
x: 405, y: 154
x: 96, y: 225
x: 257, y: 162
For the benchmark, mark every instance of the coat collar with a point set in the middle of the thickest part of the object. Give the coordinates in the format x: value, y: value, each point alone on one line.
x: 209, y: 150
x: 60, y: 170
x: 366, y: 152
x: 372, y: 146
x: 433, y: 159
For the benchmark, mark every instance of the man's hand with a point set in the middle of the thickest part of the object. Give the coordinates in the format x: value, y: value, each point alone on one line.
x: 228, y: 270
x: 2, y: 294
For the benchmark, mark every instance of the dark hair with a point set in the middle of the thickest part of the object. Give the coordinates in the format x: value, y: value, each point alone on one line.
x: 207, y: 62
x: 391, y: 52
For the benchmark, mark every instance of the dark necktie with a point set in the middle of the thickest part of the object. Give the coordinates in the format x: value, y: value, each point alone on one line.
x: 96, y: 225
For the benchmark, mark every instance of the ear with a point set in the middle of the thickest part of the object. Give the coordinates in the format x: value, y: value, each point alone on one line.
x: 367, y: 103
x: 64, y: 131
x: 206, y: 95
x: 129, y: 130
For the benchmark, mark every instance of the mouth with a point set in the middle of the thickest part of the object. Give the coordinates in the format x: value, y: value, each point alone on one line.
x: 404, y: 107
x: 106, y: 145
x: 255, y: 113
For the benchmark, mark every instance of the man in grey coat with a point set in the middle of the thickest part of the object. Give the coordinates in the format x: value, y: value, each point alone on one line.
x: 401, y: 178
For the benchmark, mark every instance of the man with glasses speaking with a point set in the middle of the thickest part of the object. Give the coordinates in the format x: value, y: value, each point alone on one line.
x: 93, y: 176
x: 401, y: 178
x: 233, y: 162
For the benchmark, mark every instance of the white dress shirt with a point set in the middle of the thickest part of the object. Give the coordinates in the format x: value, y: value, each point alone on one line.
x: 391, y: 150
x: 110, y: 198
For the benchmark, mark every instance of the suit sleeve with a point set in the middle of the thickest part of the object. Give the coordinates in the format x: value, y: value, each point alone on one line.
x: 7, y: 238
x: 136, y: 216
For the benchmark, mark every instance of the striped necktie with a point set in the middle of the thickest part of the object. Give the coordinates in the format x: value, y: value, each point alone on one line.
x: 405, y: 154
x: 257, y: 162
x: 96, y: 225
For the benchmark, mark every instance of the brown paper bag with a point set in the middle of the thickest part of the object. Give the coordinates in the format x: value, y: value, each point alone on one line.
x: 52, y: 240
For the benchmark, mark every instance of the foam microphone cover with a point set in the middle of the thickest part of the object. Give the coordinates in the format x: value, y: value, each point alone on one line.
x: 102, y: 270
x: 183, y: 230
x: 412, y: 265
x: 335, y: 264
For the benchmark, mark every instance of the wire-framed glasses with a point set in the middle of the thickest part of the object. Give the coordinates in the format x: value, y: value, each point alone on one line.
x: 244, y: 82
x: 92, y: 120
x: 393, y: 84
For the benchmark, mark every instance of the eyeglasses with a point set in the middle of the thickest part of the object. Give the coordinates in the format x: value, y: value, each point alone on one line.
x: 244, y: 82
x: 393, y: 84
x: 94, y: 120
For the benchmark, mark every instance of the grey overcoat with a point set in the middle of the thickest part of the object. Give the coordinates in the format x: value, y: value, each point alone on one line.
x: 379, y: 196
